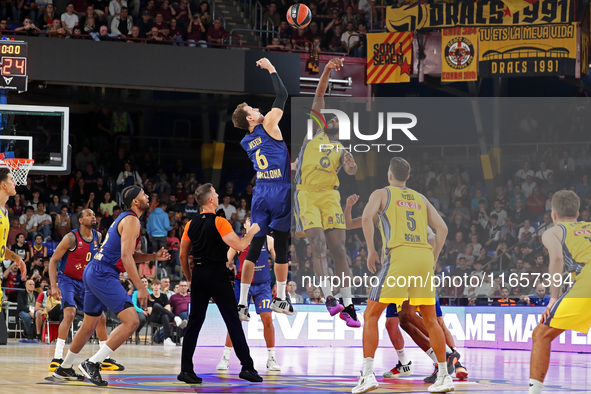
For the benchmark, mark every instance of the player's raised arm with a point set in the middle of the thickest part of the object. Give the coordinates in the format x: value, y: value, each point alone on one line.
x: 367, y: 220
x: 335, y: 63
x: 67, y: 243
x: 272, y: 118
x: 349, y: 221
x: 436, y: 222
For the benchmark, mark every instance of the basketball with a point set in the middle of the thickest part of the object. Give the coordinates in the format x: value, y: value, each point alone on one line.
x: 299, y: 16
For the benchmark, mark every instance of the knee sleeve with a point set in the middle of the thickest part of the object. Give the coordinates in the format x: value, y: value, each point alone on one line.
x: 281, y: 244
x: 254, y: 251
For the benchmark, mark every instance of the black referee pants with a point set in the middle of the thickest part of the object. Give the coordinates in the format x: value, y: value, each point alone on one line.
x: 211, y: 281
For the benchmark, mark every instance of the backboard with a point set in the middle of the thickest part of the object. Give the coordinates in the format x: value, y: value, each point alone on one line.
x: 36, y: 132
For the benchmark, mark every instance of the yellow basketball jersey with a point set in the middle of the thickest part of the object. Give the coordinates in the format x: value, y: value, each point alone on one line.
x: 404, y: 220
x: 4, y: 228
x: 576, y: 245
x: 319, y: 162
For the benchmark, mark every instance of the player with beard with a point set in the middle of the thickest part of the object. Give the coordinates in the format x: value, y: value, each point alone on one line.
x: 66, y: 266
x: 318, y: 202
x: 103, y: 290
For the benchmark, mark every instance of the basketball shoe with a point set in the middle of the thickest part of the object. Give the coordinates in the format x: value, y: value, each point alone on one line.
x: 333, y: 305
x: 67, y: 374
x: 243, y: 313
x: 399, y: 370
x: 111, y: 365
x: 350, y: 316
x: 442, y: 385
x: 365, y: 384
x: 461, y: 371
x: 283, y: 306
x: 55, y: 363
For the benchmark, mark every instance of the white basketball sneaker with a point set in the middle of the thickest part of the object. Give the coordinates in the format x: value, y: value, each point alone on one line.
x: 223, y: 365
x: 272, y: 364
x: 442, y: 385
x: 366, y: 383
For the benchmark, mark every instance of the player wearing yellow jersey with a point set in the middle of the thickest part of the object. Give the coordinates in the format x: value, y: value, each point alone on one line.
x: 569, y: 244
x: 404, y: 216
x: 8, y: 189
x: 318, y: 202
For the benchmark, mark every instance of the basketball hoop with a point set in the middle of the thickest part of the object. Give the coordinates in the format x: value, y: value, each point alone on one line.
x: 19, y: 169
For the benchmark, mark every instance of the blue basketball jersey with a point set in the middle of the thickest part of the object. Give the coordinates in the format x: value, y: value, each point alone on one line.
x: 110, y: 250
x: 269, y: 156
x: 262, y: 274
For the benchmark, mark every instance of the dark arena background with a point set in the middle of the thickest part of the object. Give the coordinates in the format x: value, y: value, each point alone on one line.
x: 488, y: 101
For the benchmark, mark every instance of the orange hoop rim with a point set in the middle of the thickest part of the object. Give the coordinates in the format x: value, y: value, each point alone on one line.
x: 18, y: 162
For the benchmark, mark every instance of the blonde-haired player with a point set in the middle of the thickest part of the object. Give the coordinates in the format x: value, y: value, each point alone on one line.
x: 569, y: 245
x: 404, y: 217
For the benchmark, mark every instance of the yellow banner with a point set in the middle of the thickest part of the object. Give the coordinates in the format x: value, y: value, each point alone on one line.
x: 476, y: 13
x: 459, y: 47
x: 389, y: 57
x: 527, y: 50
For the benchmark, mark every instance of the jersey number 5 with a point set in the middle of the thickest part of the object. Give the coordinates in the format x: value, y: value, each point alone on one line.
x: 411, y: 223
x: 261, y: 160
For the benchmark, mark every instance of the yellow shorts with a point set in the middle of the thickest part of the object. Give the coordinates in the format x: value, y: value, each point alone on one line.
x: 406, y: 274
x: 318, y: 209
x: 572, y: 311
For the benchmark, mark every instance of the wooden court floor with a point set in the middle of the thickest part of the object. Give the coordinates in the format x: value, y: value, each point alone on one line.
x: 23, y: 369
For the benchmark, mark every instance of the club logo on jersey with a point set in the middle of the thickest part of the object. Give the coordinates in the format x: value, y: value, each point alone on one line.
x: 79, y: 243
x: 330, y: 220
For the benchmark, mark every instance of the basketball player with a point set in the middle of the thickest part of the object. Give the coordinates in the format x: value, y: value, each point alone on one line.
x: 7, y: 190
x: 260, y: 292
x: 404, y: 216
x: 318, y: 203
x: 412, y: 323
x: 104, y: 291
x: 66, y: 266
x: 271, y: 203
x: 568, y: 243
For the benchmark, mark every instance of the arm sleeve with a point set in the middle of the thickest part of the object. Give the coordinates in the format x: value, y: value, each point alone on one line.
x: 224, y: 227
x: 134, y: 302
x: 280, y: 91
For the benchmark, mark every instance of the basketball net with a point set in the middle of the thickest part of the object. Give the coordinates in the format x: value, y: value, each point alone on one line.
x: 19, y: 169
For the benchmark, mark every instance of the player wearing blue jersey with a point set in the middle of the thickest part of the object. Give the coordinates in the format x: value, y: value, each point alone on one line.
x: 66, y: 267
x: 271, y: 201
x: 260, y: 292
x: 102, y: 287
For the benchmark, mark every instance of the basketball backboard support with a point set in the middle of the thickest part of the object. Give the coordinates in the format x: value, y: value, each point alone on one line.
x: 36, y: 132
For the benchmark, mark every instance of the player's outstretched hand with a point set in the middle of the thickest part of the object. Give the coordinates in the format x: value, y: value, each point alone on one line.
x: 335, y: 63
x: 162, y: 255
x: 254, y: 228
x: 265, y: 64
x: 352, y: 200
x: 56, y: 293
x: 372, y: 257
x: 142, y: 297
x: 546, y: 314
x: 349, y: 160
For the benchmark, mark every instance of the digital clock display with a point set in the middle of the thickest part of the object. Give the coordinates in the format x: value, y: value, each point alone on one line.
x: 13, y: 65
x: 13, y: 48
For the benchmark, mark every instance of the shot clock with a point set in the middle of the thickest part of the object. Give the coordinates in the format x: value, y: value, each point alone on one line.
x: 13, y: 65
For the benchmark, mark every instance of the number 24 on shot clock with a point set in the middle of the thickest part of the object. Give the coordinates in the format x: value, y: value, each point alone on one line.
x: 13, y: 65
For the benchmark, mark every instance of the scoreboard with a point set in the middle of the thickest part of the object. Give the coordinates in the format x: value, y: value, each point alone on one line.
x: 13, y: 65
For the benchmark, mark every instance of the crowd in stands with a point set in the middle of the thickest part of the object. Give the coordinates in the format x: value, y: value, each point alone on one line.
x: 337, y: 26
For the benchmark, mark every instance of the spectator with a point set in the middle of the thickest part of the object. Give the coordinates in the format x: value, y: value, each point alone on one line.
x: 566, y: 166
x: 285, y: 32
x: 295, y: 297
x: 527, y: 232
x: 37, y: 249
x: 461, y: 268
x: 101, y: 8
x: 229, y: 209
x: 115, y: 7
x: 179, y: 302
x: 540, y: 298
x: 528, y: 186
x: 182, y: 14
x: 147, y: 269
x: 44, y: 222
x: 69, y: 19
x: 191, y: 209
x: 509, y: 232
x: 215, y: 33
x: 26, y: 310
x: 521, y: 174
x: 128, y: 177
x: 505, y: 300
x: 28, y: 27
x: 151, y: 8
x: 158, y: 227
x: 272, y: 15
x: 493, y: 232
x: 163, y: 29
x: 145, y: 24
x: 196, y: 31
x: 543, y: 173
x: 16, y: 206
x: 62, y: 224
x: 122, y: 24
x: 166, y: 287
x: 166, y: 11
x: 500, y: 212
x: 21, y: 248
x: 13, y: 233
x: 175, y: 34
x: 583, y: 188
x: 55, y: 206
x: 205, y: 13
x: 467, y: 255
x: 89, y: 23
x: 141, y: 313
x: 154, y: 37
x: 45, y: 21
x: 29, y: 222
x: 546, y: 224
x: 134, y: 36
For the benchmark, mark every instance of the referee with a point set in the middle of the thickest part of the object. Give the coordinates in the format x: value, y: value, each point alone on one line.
x: 207, y: 238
